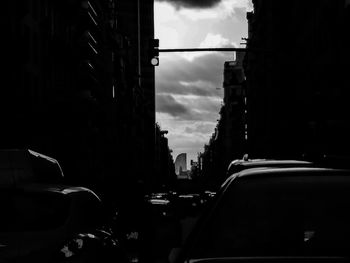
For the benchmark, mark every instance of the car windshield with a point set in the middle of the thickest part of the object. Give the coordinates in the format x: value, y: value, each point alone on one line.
x: 279, y: 216
x: 45, y: 169
x: 22, y: 211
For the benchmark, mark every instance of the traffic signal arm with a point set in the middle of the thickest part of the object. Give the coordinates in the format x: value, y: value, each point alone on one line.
x: 201, y: 49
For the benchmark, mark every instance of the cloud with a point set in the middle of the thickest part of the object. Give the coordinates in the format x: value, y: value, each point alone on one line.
x: 188, y: 27
x: 241, y: 13
x: 192, y: 3
x: 206, y: 69
x: 222, y: 10
x: 187, y: 108
x: 198, y: 88
x: 201, y: 9
x: 181, y: 129
x: 200, y: 104
x: 190, y: 90
x: 189, y: 85
x: 168, y: 104
x: 211, y: 41
x: 209, y: 4
x: 216, y: 40
x: 165, y: 13
x: 201, y: 128
x: 178, y: 89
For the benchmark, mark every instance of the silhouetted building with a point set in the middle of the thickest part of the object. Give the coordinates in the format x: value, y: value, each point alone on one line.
x: 181, y: 165
x: 234, y: 110
x: 137, y: 22
x: 79, y: 88
x: 212, y: 165
x: 297, y: 79
x: 60, y: 75
x: 229, y: 140
x: 165, y: 177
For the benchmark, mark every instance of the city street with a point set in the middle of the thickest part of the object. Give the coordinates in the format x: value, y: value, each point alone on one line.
x: 122, y: 121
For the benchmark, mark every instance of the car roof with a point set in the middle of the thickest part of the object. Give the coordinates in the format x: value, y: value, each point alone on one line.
x: 260, y: 172
x: 253, y: 162
x: 25, y: 165
x: 48, y: 158
x: 241, y: 164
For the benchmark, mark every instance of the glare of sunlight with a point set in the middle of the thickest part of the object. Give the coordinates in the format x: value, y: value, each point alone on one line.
x: 168, y: 26
x: 216, y: 40
x: 168, y: 37
x: 164, y: 13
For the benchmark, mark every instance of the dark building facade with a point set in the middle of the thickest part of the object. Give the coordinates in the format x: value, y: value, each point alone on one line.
x: 297, y: 80
x: 137, y: 22
x: 165, y: 176
x: 234, y: 112
x: 229, y: 140
x: 76, y: 86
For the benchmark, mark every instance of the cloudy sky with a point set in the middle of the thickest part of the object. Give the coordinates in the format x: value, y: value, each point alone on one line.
x: 189, y: 85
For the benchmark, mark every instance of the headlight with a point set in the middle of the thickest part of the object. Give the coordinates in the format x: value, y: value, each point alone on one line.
x: 72, y: 247
x: 77, y: 244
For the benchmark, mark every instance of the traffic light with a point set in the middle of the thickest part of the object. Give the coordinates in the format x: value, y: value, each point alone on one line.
x: 154, y: 51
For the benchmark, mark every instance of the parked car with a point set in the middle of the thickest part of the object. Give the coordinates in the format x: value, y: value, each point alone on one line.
x: 240, y: 164
x: 273, y: 214
x: 54, y: 223
x: 25, y: 165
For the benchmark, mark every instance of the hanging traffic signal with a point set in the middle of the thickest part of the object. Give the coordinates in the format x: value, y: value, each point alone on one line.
x: 154, y: 51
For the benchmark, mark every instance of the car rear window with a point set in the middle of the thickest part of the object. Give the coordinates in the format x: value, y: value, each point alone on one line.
x: 23, y: 211
x: 303, y: 215
x: 46, y: 171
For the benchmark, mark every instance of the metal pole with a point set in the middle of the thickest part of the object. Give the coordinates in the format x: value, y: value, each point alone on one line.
x: 138, y: 42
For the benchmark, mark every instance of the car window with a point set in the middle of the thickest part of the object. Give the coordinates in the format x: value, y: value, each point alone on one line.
x: 46, y: 171
x: 279, y: 216
x: 21, y: 211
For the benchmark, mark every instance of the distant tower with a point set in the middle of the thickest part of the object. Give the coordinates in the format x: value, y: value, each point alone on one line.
x: 181, y: 163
